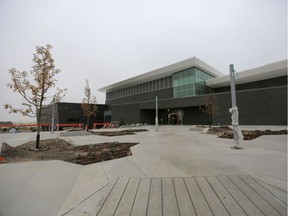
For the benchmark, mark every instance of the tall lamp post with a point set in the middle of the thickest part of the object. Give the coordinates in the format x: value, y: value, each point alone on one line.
x: 53, y: 115
x: 233, y: 96
x: 156, y: 118
x: 234, y: 110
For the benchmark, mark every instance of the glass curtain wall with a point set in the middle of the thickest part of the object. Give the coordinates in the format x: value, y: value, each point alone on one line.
x: 190, y: 82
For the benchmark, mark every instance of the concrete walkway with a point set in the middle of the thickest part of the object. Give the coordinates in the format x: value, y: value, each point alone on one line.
x: 172, y: 155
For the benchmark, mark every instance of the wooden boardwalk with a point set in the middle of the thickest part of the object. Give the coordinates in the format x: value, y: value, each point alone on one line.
x: 199, y: 196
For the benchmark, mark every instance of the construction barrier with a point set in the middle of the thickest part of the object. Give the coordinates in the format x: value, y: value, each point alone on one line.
x: 80, y: 125
x: 21, y: 125
x: 69, y: 125
x: 6, y: 125
x: 104, y: 124
x: 30, y: 125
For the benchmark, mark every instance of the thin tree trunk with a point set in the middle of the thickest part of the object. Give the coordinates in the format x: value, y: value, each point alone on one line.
x: 210, y: 120
x: 87, y: 128
x: 38, y: 126
x: 37, y: 140
x: 38, y: 133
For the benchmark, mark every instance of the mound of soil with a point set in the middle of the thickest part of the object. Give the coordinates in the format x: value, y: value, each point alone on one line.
x: 58, y: 149
x: 118, y: 133
x: 227, y: 133
x: 219, y: 130
x: 250, y: 135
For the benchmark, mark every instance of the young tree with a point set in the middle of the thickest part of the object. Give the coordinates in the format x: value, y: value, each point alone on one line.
x: 210, y: 105
x: 34, y: 86
x: 88, y: 105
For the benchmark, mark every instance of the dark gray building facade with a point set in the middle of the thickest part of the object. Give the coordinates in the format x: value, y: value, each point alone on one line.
x: 72, y: 113
x: 180, y: 88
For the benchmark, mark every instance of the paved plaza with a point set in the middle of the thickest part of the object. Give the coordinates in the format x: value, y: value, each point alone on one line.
x: 175, y: 171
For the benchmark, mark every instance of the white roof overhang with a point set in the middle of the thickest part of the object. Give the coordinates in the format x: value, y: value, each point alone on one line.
x: 268, y: 71
x: 163, y: 72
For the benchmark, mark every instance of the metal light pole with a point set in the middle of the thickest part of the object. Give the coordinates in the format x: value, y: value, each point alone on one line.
x: 53, y: 115
x: 233, y: 91
x: 233, y: 97
x: 234, y: 111
x: 156, y: 118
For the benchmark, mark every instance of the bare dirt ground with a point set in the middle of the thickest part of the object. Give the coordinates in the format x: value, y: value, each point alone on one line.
x: 61, y: 150
x: 118, y: 133
x: 227, y: 133
x: 58, y: 149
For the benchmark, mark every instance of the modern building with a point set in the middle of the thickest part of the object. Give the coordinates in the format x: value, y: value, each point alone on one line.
x: 181, y: 87
x: 72, y: 113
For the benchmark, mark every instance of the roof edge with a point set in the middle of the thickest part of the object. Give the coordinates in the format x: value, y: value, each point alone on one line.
x: 268, y: 71
x: 162, y: 72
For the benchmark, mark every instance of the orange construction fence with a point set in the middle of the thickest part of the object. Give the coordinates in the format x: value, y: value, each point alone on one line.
x: 104, y: 124
x: 6, y: 125
x: 29, y: 125
x: 69, y: 125
x: 23, y: 125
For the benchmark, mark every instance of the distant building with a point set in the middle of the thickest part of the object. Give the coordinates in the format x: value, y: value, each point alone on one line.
x: 180, y: 87
x: 6, y: 124
x: 72, y: 113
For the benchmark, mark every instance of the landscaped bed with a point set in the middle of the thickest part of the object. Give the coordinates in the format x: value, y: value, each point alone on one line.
x: 118, y: 133
x: 227, y: 133
x: 58, y: 149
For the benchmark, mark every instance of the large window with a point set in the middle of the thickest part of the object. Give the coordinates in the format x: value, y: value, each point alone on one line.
x: 190, y: 82
x: 154, y: 85
x: 185, y: 83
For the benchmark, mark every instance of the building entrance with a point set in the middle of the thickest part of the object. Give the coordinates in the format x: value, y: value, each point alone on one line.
x: 175, y: 117
x: 165, y: 116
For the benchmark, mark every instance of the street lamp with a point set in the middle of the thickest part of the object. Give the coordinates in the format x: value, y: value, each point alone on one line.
x: 156, y: 118
x: 234, y: 111
x: 53, y: 115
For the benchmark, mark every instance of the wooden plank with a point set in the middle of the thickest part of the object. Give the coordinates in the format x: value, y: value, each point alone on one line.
x: 201, y: 206
x: 114, y: 198
x: 265, y: 194
x: 126, y: 203
x: 141, y: 200
x: 155, y: 198
x: 212, y: 199
x: 231, y: 205
x: 170, y: 206
x: 94, y: 203
x: 184, y: 202
x: 263, y: 206
x: 240, y: 197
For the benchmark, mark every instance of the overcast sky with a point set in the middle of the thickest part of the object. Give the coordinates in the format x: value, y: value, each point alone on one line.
x: 110, y: 40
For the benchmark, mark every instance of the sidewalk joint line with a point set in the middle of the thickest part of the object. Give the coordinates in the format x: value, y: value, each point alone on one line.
x: 175, y: 195
x: 148, y: 197
x: 245, y: 194
x: 190, y: 195
x: 135, y: 196
x: 121, y: 196
x: 136, y: 167
x: 217, y: 177
x: 204, y: 196
x: 107, y: 197
x: 217, y: 195
x: 270, y: 192
x: 259, y: 194
x: 105, y: 172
